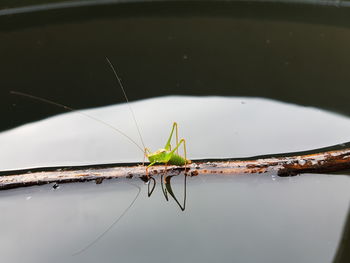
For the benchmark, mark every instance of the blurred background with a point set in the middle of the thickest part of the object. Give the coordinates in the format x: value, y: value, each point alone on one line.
x: 291, y: 52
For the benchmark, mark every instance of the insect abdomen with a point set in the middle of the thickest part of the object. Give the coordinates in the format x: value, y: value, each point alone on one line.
x: 177, y: 160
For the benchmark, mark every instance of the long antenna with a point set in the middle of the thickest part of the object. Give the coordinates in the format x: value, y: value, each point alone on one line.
x: 78, y: 111
x: 127, y: 101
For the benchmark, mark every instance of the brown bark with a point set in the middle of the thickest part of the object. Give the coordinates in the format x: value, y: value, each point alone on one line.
x: 329, y: 161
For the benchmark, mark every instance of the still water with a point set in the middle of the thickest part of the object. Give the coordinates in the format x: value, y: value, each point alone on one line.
x: 227, y: 219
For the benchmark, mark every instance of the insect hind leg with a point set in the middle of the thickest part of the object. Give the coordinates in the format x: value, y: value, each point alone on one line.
x: 168, y: 144
x: 182, y: 141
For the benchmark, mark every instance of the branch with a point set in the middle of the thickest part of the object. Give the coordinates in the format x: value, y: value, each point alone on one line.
x: 328, y: 161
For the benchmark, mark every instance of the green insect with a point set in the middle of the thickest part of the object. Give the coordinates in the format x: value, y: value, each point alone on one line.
x: 162, y: 156
x: 166, y: 155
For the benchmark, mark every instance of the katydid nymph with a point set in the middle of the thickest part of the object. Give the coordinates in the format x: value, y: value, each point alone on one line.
x: 166, y: 155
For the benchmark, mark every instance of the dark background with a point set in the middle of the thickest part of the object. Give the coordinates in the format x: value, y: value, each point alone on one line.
x: 290, y: 52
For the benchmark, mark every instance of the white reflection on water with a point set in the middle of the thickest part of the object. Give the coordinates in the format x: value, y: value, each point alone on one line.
x: 249, y: 218
x: 214, y: 127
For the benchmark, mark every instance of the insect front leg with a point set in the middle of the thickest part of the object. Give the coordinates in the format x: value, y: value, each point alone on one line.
x: 145, y: 155
x: 148, y: 166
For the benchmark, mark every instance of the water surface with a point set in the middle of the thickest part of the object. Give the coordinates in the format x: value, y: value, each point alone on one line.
x: 227, y: 219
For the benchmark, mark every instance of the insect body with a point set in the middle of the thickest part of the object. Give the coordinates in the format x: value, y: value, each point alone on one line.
x: 168, y: 155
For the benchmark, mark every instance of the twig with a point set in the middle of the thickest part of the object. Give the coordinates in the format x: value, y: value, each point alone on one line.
x: 329, y: 161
